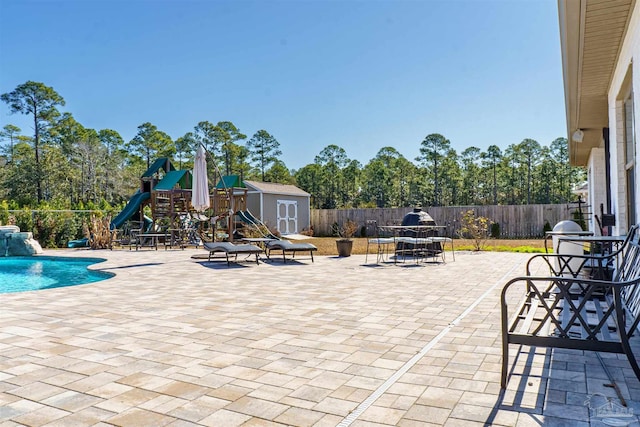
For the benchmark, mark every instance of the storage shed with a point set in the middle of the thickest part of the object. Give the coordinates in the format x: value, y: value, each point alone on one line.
x: 284, y: 207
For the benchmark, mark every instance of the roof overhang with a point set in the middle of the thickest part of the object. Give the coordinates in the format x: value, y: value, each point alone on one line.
x: 591, y: 34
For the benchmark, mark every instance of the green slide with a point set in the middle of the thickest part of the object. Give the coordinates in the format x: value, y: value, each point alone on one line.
x: 130, y: 209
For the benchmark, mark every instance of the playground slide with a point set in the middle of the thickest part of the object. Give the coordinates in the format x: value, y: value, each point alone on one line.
x: 130, y: 209
x: 80, y: 243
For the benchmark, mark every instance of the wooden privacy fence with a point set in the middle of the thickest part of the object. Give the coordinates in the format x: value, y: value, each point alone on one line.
x: 516, y: 221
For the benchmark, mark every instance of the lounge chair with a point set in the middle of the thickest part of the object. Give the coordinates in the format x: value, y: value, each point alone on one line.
x: 286, y: 246
x: 233, y: 249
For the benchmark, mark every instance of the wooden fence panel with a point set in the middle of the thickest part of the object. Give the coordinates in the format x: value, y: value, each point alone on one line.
x: 515, y: 221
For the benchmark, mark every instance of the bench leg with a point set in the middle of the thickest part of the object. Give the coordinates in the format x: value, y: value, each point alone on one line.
x: 505, y: 344
x: 311, y: 253
x: 505, y: 365
x: 632, y: 360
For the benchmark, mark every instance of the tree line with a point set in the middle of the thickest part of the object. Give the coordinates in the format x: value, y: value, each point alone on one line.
x: 64, y: 164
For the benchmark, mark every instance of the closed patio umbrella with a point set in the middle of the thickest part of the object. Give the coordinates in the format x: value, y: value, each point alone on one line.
x: 200, y: 189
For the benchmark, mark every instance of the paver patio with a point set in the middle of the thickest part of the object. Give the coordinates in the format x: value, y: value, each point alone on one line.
x: 173, y: 340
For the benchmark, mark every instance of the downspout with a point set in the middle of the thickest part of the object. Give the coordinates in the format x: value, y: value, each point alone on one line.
x: 607, y: 165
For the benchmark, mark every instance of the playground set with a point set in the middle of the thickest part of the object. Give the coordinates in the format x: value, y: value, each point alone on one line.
x: 165, y: 195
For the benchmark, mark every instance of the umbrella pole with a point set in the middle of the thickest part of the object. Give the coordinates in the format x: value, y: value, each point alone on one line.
x: 213, y: 207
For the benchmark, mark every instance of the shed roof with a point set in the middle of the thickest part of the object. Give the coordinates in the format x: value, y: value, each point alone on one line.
x: 275, y: 188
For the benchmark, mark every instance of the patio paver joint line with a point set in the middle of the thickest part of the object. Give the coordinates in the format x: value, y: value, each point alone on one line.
x: 355, y: 414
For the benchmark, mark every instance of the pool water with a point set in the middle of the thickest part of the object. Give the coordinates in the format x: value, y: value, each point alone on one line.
x: 18, y: 274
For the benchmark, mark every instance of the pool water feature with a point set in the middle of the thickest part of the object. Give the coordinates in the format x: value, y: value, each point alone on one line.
x: 13, y: 242
x: 30, y: 273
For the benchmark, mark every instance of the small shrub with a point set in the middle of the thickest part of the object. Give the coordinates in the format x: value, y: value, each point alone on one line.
x: 475, y: 228
x: 24, y: 220
x: 546, y: 227
x: 346, y: 231
x: 578, y: 217
x: 98, y: 232
x: 4, y: 213
x: 495, y: 230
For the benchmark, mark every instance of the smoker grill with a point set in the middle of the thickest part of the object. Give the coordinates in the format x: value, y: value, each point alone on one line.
x: 419, y: 217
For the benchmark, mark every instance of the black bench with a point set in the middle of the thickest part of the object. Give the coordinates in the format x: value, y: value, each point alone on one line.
x: 571, y: 310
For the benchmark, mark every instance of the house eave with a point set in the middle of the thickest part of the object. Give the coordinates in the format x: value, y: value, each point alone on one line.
x: 591, y: 35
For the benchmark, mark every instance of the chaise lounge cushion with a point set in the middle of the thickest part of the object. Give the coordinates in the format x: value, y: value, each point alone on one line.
x: 287, y: 246
x: 231, y: 248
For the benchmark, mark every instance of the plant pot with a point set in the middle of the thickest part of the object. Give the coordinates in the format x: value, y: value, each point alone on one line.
x: 344, y: 247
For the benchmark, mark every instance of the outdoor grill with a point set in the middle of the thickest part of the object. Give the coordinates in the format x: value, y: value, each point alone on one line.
x: 420, y: 217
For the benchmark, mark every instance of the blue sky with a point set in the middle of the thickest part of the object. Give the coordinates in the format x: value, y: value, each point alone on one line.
x: 359, y: 74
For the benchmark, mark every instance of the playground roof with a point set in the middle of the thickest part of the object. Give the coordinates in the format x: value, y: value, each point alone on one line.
x: 161, y: 163
x: 230, y: 181
x: 172, y: 178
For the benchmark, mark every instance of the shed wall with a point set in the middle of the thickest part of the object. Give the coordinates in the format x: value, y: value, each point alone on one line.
x: 269, y: 213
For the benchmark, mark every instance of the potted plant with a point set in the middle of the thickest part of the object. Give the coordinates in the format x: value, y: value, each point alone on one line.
x: 345, y: 240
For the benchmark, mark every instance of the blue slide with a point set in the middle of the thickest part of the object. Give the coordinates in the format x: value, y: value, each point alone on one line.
x: 130, y: 209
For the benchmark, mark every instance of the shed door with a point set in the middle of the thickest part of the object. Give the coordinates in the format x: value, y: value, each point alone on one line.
x: 287, y: 216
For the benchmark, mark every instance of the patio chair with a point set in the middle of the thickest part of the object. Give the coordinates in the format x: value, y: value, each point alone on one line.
x: 229, y: 248
x: 441, y: 240
x: 416, y: 243
x: 287, y: 246
x: 382, y: 243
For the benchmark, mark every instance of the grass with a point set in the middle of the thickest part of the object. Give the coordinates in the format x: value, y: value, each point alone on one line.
x: 327, y: 245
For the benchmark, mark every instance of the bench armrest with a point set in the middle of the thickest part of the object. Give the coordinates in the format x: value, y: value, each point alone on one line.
x: 544, y: 288
x: 542, y: 285
x: 561, y: 303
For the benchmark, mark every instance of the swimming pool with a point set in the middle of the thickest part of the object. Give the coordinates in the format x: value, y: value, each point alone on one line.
x: 19, y: 274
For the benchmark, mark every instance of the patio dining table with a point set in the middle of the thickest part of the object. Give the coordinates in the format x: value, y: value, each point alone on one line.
x: 611, y: 242
x: 549, y: 235
x: 414, y: 240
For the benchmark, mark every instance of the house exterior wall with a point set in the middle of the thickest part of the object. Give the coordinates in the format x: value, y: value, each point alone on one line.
x: 597, y: 184
x: 618, y: 190
x: 629, y: 54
